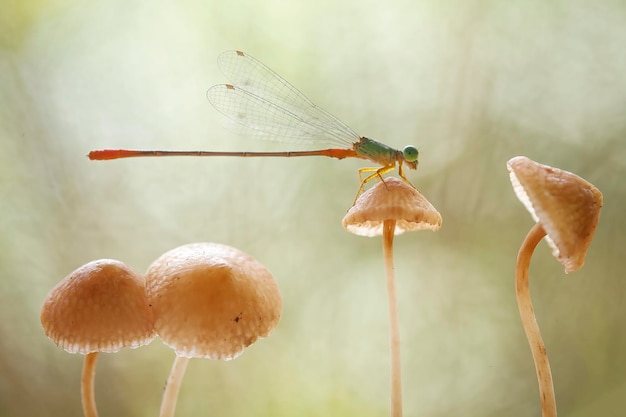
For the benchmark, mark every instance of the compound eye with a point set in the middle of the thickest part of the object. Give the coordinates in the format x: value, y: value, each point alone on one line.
x: 410, y: 153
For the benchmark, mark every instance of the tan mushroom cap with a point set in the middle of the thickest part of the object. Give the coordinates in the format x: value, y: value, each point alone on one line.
x: 566, y: 206
x: 211, y: 300
x: 392, y: 200
x: 100, y: 307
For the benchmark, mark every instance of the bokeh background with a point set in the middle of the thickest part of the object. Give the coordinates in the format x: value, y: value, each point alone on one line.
x: 471, y: 83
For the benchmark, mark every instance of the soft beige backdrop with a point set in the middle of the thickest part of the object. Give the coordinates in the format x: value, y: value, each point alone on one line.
x: 471, y: 83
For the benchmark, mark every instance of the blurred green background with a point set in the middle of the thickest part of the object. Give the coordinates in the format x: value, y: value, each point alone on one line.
x: 471, y: 83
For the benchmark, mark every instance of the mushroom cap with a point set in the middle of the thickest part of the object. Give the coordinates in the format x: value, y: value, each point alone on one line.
x: 100, y: 307
x: 393, y: 199
x: 566, y: 206
x: 211, y: 300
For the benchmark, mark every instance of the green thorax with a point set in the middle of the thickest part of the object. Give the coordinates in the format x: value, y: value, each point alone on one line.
x: 375, y: 151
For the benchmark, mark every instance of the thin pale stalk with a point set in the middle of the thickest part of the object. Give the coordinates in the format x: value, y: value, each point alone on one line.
x: 394, y: 322
x: 170, y: 395
x: 87, y: 385
x: 529, y: 322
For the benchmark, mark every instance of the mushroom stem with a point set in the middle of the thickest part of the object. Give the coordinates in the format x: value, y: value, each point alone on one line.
x: 87, y: 385
x: 394, y: 322
x: 170, y: 395
x: 529, y: 322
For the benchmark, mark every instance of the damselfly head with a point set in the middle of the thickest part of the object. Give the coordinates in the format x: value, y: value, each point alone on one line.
x: 411, y: 154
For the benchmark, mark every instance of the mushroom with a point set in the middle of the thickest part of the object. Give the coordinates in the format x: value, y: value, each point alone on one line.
x: 566, y: 209
x: 100, y: 307
x: 390, y: 208
x: 209, y: 301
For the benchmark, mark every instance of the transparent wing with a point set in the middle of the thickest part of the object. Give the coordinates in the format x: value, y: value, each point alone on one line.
x: 267, y: 105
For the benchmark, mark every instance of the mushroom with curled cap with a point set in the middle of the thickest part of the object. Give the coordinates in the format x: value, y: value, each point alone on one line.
x: 566, y: 209
x: 100, y: 307
x: 209, y: 301
x: 390, y: 208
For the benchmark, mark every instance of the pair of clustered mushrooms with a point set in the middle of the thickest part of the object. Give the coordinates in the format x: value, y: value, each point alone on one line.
x: 209, y: 300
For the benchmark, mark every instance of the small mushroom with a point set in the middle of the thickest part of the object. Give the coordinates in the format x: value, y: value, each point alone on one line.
x: 209, y: 301
x: 391, y: 208
x: 391, y: 200
x: 566, y: 209
x: 100, y: 307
